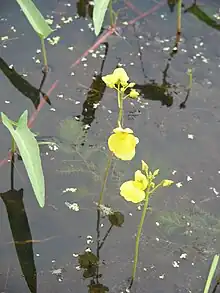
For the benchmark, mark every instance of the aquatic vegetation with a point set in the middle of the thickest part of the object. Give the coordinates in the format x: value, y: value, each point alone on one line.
x: 38, y: 23
x: 122, y: 144
x: 211, y: 274
x: 99, y: 11
x: 25, y: 140
x: 139, y: 190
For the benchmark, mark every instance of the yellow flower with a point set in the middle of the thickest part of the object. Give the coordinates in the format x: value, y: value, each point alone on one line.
x: 133, y: 94
x: 133, y: 190
x: 119, y: 76
x: 122, y: 143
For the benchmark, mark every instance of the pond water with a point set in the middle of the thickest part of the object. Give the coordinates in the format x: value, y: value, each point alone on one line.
x: 179, y: 134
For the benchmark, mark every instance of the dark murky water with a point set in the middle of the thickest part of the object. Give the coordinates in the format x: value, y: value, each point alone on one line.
x: 178, y: 135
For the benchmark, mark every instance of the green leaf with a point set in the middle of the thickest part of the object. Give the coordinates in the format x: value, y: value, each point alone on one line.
x: 35, y: 18
x: 211, y: 273
x: 116, y: 219
x: 30, y: 153
x: 99, y: 11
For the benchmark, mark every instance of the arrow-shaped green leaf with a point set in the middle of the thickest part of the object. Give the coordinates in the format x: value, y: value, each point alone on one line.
x: 100, y: 8
x: 35, y: 18
x: 30, y: 153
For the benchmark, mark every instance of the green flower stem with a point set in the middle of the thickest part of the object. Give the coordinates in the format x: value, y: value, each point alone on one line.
x: 44, y: 55
x: 189, y: 72
x: 120, y: 106
x: 105, y: 178
x: 139, y: 235
x: 13, y: 146
x: 153, y: 190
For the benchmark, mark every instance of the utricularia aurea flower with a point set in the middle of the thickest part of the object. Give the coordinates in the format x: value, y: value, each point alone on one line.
x: 119, y: 80
x: 123, y: 143
x: 143, y: 185
x: 134, y: 190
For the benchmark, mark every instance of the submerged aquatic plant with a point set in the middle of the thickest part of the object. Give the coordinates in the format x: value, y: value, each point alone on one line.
x: 25, y: 140
x: 139, y: 190
x: 38, y: 23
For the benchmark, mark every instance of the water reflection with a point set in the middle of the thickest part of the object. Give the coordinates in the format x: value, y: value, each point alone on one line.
x: 13, y: 200
x: 21, y: 233
x: 163, y: 92
x: 22, y: 85
x: 95, y: 93
x: 84, y: 8
x: 90, y: 262
x: 202, y: 16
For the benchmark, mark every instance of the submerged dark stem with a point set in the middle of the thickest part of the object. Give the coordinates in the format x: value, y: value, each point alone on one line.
x: 105, y: 237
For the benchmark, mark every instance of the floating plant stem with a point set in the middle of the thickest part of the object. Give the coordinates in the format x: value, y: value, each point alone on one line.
x: 44, y: 53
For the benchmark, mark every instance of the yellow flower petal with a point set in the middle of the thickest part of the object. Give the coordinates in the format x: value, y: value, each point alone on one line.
x: 122, y: 144
x: 110, y: 80
x: 131, y: 192
x: 124, y: 130
x: 141, y: 179
x: 121, y: 76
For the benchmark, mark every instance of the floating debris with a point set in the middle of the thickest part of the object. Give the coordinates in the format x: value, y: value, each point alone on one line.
x: 72, y: 206
x: 53, y: 41
x: 175, y: 264
x: 179, y: 184
x: 190, y: 136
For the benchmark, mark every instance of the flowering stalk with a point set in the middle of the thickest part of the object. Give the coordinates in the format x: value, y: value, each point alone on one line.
x: 139, y: 235
x: 120, y: 106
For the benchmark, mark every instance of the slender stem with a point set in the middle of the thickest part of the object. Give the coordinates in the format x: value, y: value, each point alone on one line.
x: 139, y: 235
x: 179, y: 14
x: 13, y: 149
x: 189, y: 72
x: 120, y: 106
x: 111, y: 13
x: 105, y: 237
x: 105, y: 179
x: 44, y: 55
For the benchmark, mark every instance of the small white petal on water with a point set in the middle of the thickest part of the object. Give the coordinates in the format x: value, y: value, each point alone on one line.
x: 175, y: 264
x: 214, y: 190
x: 183, y: 256
x: 190, y: 136
x: 70, y: 189
x: 179, y: 184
